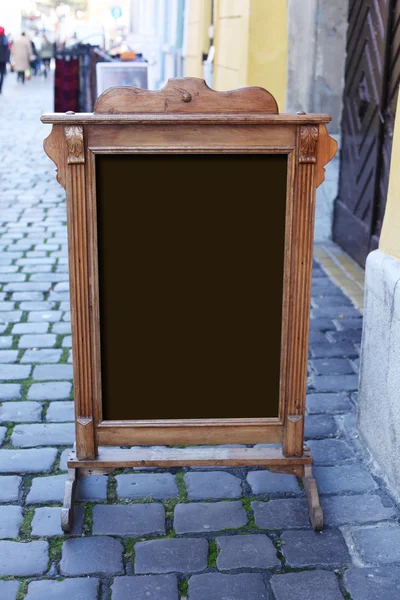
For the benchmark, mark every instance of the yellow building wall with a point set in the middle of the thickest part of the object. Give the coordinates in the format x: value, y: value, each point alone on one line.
x: 198, y: 22
x: 390, y: 236
x: 251, y: 45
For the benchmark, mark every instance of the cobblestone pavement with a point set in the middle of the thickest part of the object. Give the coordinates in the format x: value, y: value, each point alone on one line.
x: 209, y: 534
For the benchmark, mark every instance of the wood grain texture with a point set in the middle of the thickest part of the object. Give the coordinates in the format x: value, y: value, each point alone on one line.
x: 301, y: 247
x: 54, y: 146
x: 112, y: 433
x: 327, y: 148
x: 186, y: 95
x: 79, y: 293
x: 191, y: 456
x: 67, y: 510
x: 314, y: 506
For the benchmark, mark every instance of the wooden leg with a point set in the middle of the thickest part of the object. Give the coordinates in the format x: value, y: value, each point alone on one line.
x: 67, y: 511
x: 314, y: 506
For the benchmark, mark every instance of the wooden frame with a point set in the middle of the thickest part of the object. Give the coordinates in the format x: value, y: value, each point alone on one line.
x: 173, y: 120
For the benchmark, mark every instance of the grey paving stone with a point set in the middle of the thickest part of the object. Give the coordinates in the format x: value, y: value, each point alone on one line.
x: 265, y: 482
x: 6, y: 341
x: 60, y: 412
x: 334, y: 383
x: 9, y: 590
x: 348, y: 335
x: 8, y: 372
x: 27, y: 461
x: 67, y: 341
x: 27, y: 296
x: 43, y: 434
x: 210, y: 516
x: 246, y: 552
x: 9, y: 488
x: 41, y: 356
x: 10, y: 391
x: 147, y: 485
x: 316, y: 337
x: 360, y: 509
x: 10, y: 316
x: 45, y: 305
x: 212, y: 484
x: 322, y: 324
x: 61, y: 328
x: 336, y: 350
x: 8, y: 356
x: 52, y: 390
x: 92, y: 488
x: 10, y: 520
x: 285, y: 513
x: 342, y: 479
x: 320, y: 426
x: 52, y: 372
x: 326, y: 549
x: 145, y: 587
x: 46, y: 521
x: 179, y: 555
x: 343, y: 324
x: 379, y: 545
x: 336, y: 312
x: 308, y: 585
x: 64, y: 458
x: 44, y: 316
x: 133, y: 520
x: 91, y: 556
x: 20, y: 412
x: 22, y: 328
x: 216, y: 586
x: 46, y: 489
x: 330, y: 451
x: 332, y: 366
x: 77, y: 589
x: 373, y: 584
x: 334, y: 404
x: 23, y: 559
x: 46, y: 340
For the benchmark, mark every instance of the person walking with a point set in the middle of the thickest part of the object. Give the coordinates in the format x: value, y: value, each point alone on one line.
x: 21, y: 53
x: 4, y: 56
x: 46, y: 53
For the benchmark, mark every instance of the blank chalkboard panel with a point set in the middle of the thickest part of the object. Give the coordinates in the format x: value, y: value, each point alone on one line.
x: 191, y: 251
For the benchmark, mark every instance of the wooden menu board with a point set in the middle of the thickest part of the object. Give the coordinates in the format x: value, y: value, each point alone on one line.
x: 190, y: 219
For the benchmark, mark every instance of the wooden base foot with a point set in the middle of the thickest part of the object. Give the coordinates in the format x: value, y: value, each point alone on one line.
x: 67, y: 511
x: 314, y: 506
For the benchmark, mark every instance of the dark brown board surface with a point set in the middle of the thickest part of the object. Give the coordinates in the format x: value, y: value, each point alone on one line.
x: 194, y: 245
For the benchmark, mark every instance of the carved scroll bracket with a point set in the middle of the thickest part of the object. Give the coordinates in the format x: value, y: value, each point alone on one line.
x: 308, y: 144
x: 75, y: 148
x: 54, y: 146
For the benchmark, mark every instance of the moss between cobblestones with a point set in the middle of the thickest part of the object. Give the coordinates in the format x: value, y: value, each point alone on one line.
x: 88, y: 517
x: 23, y: 588
x: 212, y: 554
x: 45, y: 406
x: 180, y: 482
x: 183, y: 585
x: 112, y: 489
x: 250, y: 514
x: 25, y: 529
x: 278, y: 545
x: 129, y: 549
x: 55, y: 547
x: 64, y: 356
x: 59, y: 340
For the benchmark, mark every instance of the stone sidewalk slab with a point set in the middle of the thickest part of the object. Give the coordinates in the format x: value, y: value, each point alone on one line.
x: 246, y: 552
x: 9, y: 590
x: 183, y: 555
x: 326, y: 549
x: 215, y: 586
x: 145, y: 587
x: 373, y: 584
x: 285, y: 513
x: 134, y: 520
x: 380, y: 545
x: 91, y: 556
x: 308, y: 585
x: 27, y: 461
x: 9, y: 488
x: 266, y: 482
x: 158, y: 486
x: 70, y: 589
x: 23, y: 559
x: 204, y: 517
x: 212, y: 484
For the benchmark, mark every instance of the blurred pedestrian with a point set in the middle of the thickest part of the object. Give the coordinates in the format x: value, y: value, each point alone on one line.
x: 4, y: 55
x: 21, y: 53
x: 46, y: 53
